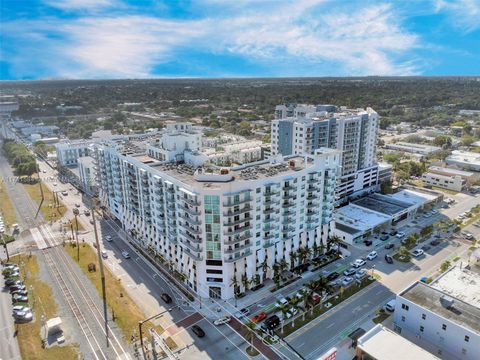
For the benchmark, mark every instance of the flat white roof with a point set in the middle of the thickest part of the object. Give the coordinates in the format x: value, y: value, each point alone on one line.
x: 466, y: 157
x: 450, y: 171
x: 413, y: 197
x: 384, y: 344
x: 460, y: 283
x: 359, y: 217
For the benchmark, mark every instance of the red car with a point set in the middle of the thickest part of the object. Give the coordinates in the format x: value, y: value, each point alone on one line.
x: 259, y: 317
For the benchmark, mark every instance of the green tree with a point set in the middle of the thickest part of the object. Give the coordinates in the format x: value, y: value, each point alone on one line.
x: 445, y: 265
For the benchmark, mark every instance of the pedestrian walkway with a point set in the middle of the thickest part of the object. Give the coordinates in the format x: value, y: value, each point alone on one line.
x: 38, y: 238
x: 183, y: 324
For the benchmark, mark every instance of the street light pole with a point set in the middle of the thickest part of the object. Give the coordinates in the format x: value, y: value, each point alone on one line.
x: 5, y: 246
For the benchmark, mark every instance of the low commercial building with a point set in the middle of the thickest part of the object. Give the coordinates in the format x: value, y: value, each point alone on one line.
x: 455, y: 183
x: 44, y: 130
x: 443, y: 316
x: 381, y: 343
x: 419, y: 149
x: 357, y: 220
x: 464, y: 160
x: 385, y: 172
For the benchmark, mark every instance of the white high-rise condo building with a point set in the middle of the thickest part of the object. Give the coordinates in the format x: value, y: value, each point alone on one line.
x: 300, y: 129
x: 219, y: 225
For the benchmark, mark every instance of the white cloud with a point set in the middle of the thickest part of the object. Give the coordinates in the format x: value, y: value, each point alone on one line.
x: 81, y: 4
x: 307, y: 33
x: 464, y: 14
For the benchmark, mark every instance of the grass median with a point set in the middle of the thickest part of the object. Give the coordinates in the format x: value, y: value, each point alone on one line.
x: 49, y: 211
x: 6, y: 207
x: 42, y: 301
x: 127, y: 313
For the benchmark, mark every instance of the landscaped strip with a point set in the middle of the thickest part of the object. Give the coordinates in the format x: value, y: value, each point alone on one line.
x: 52, y: 210
x: 127, y: 314
x: 6, y: 207
x: 42, y: 302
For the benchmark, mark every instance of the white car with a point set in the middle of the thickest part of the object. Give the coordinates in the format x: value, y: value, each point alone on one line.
x: 108, y: 238
x: 372, y: 255
x: 358, y: 263
x: 346, y: 280
x: 417, y: 252
x: 400, y: 234
x: 361, y: 274
x: 292, y: 312
x: 125, y: 254
x: 104, y: 254
x: 222, y: 320
x: 281, y: 302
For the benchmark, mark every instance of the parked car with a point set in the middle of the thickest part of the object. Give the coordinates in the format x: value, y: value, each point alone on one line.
x: 272, y: 322
x: 361, y: 274
x: 384, y: 237
x: 425, y: 248
x: 87, y: 213
x: 19, y: 298
x: 197, y: 330
x: 388, y: 259
x: 20, y: 292
x: 222, y: 320
x: 104, y: 254
x: 393, y: 232
x: 346, y: 280
x: 417, y: 252
x: 243, y: 312
x: 281, y: 302
x: 390, y: 306
x: 167, y: 298
x: 315, y: 298
x: 292, y: 312
x: 400, y: 234
x: 108, y: 238
x: 16, y: 287
x: 332, y: 276
x: 24, y: 315
x: 13, y: 282
x: 259, y: 317
x: 434, y: 242
x: 349, y: 272
x: 368, y: 242
x: 389, y: 246
x: 77, y: 205
x: 372, y: 255
x: 11, y: 274
x: 358, y: 263
x: 64, y: 193
x: 125, y: 254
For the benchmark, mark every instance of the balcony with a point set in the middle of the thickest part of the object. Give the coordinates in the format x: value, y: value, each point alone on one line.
x: 312, y: 197
x: 238, y: 230
x: 238, y: 202
x: 190, y: 237
x: 192, y: 255
x: 270, y: 211
x: 170, y: 190
x: 237, y: 239
x: 268, y: 244
x: 191, y: 202
x: 312, y: 181
x: 246, y: 208
x: 159, y: 192
x: 271, y: 193
x: 192, y: 247
x: 189, y: 210
x: 312, y: 205
x: 237, y: 222
x: 191, y: 229
x: 232, y: 250
x: 231, y: 259
x: 288, y: 204
x: 272, y: 219
x: 288, y: 212
x: 311, y: 188
x: 188, y: 219
x: 270, y: 202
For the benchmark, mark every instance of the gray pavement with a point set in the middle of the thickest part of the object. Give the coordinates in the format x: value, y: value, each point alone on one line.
x: 9, y: 349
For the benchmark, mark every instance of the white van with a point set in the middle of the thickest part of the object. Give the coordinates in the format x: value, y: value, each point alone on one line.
x: 390, y: 306
x: 104, y: 254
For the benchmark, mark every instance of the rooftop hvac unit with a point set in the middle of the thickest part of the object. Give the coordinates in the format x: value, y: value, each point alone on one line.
x: 291, y: 163
x: 447, y: 301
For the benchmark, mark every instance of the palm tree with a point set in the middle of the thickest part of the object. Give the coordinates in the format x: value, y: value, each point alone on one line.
x: 76, y: 212
x: 284, y: 308
x: 295, y: 300
x: 251, y: 328
x: 283, y: 265
x: 308, y: 253
x: 245, y: 281
x: 293, y: 258
x: 265, y: 268
x: 332, y: 240
x: 234, y: 283
x: 306, y: 295
x: 315, y: 249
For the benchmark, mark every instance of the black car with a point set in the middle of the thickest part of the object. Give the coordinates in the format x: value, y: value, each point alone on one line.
x: 165, y: 297
x: 20, y: 292
x: 434, y: 242
x: 17, y: 287
x: 332, y: 276
x: 389, y: 246
x: 393, y: 232
x: 272, y: 322
x: 198, y: 331
x: 368, y: 242
x: 388, y: 259
x: 384, y: 237
x: 13, y: 282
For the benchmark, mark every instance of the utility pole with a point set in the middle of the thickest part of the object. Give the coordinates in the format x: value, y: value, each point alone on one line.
x: 5, y: 246
x: 102, y: 272
x: 75, y: 213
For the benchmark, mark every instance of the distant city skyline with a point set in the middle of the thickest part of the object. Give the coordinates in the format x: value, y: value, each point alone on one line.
x: 95, y: 39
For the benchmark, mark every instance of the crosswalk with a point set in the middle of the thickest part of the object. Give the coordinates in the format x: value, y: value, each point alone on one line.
x: 39, y: 239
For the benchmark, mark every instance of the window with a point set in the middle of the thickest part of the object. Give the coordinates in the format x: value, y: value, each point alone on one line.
x: 444, y: 327
x: 422, y: 328
x: 467, y: 338
x: 424, y: 316
x: 403, y: 318
x: 405, y: 307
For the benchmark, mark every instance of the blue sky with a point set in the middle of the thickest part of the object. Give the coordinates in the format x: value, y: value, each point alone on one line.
x: 42, y: 39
